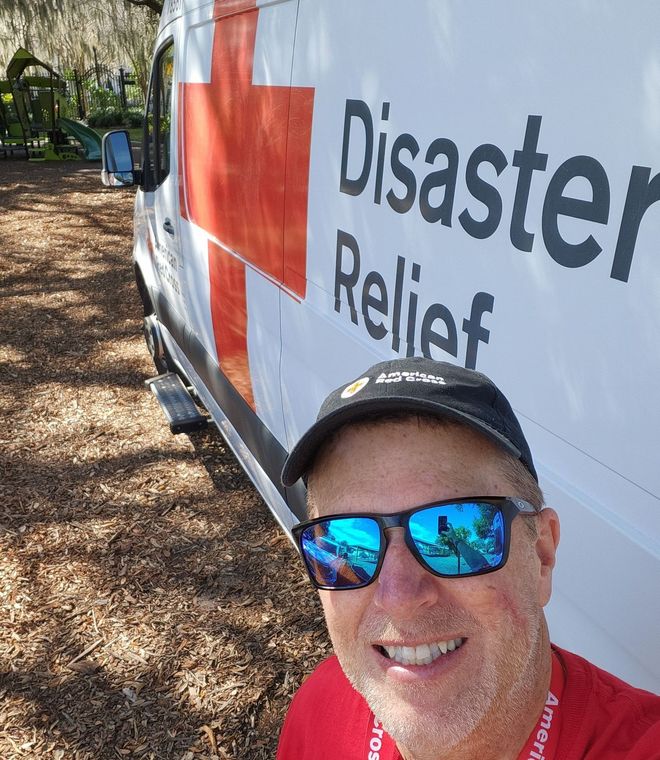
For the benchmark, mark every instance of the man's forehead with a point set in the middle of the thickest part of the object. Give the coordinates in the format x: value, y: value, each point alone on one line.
x: 398, y: 426
x: 378, y: 439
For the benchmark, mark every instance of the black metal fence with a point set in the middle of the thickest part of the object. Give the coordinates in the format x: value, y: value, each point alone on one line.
x: 100, y: 89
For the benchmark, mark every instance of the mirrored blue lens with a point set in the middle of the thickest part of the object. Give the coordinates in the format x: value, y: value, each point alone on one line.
x: 457, y: 539
x: 342, y: 552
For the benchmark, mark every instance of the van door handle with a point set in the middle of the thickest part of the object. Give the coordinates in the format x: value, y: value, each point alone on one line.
x: 168, y: 227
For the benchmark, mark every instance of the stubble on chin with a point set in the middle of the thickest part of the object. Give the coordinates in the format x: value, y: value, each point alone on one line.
x: 414, y: 716
x: 422, y: 715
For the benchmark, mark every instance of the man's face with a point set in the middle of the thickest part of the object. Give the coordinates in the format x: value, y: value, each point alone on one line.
x: 500, y: 663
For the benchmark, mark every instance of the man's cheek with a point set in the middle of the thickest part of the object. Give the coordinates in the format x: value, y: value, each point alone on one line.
x: 333, y: 607
x: 504, y: 603
x: 339, y: 617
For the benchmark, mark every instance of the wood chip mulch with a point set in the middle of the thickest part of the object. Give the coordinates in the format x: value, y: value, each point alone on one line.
x: 150, y: 607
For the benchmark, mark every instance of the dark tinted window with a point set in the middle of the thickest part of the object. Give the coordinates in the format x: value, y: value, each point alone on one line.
x: 157, y: 149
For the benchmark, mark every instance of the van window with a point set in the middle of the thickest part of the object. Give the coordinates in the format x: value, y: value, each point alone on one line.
x: 159, y: 120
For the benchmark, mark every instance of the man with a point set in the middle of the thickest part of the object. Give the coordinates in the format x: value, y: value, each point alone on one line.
x: 434, y: 557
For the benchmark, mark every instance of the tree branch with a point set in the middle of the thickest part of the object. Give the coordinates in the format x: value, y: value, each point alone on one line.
x: 155, y: 5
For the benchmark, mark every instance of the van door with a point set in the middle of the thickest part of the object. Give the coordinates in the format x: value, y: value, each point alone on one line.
x: 159, y: 183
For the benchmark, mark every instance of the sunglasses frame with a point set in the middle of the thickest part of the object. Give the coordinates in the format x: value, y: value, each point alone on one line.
x: 510, y: 507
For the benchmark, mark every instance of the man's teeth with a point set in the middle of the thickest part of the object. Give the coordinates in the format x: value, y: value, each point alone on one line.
x: 422, y: 654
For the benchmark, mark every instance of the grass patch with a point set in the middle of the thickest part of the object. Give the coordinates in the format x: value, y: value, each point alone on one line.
x: 134, y: 133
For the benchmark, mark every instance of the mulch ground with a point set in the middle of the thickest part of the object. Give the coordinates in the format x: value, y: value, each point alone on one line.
x: 150, y: 607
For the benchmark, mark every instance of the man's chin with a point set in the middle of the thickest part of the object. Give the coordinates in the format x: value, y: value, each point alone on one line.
x: 419, y: 723
x: 419, y: 712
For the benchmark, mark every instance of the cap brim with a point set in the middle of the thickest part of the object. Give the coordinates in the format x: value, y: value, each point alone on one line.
x: 303, y: 453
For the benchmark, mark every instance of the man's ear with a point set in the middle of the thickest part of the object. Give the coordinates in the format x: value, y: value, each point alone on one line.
x: 547, y: 523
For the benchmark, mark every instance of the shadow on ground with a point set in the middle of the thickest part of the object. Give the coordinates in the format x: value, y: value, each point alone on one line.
x: 151, y: 606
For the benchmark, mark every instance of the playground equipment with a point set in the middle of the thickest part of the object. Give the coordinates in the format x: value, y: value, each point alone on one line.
x: 87, y: 137
x: 30, y: 119
x: 13, y: 136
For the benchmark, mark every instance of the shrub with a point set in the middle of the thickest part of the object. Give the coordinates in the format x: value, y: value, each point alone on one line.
x: 133, y: 117
x: 111, y: 116
x: 102, y: 98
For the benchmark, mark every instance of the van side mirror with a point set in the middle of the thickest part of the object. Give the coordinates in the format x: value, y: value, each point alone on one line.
x: 117, y: 156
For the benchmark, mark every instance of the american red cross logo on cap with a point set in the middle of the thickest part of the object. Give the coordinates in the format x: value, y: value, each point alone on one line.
x: 354, y: 388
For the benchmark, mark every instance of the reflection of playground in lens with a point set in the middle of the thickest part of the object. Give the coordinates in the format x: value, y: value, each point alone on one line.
x: 342, y: 552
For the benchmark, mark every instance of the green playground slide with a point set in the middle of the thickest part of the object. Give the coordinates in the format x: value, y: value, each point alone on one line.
x: 91, y: 141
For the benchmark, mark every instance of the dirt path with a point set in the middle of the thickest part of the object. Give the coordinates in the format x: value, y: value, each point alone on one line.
x: 149, y: 605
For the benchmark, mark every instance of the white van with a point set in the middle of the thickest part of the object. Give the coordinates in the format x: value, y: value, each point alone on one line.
x: 328, y: 183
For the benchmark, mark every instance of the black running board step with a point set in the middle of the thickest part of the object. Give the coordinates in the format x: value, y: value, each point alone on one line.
x: 177, y: 404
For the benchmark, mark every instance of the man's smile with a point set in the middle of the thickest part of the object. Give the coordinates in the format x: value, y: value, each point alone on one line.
x: 421, y: 654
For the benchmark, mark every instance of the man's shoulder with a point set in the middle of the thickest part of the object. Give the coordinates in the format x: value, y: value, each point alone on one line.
x: 326, y: 675
x: 325, y: 702
x: 583, y: 676
x: 606, y: 716
x: 329, y: 719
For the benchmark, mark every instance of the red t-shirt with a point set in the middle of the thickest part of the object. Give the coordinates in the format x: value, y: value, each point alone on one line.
x: 596, y: 717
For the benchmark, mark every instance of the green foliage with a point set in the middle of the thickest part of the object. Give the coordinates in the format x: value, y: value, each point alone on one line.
x: 101, y: 98
x: 459, y: 534
x: 112, y: 116
x: 133, y: 117
x: 108, y: 116
x: 483, y: 525
x: 72, y: 35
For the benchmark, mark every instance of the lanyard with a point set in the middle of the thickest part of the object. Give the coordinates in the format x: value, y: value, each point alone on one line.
x: 543, y: 741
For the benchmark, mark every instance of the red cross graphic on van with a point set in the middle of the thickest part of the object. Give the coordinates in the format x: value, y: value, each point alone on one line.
x: 247, y: 149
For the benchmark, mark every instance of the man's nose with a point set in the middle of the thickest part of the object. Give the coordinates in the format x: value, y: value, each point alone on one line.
x: 403, y: 586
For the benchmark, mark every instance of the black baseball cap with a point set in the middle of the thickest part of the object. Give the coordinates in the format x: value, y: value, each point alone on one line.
x: 419, y: 386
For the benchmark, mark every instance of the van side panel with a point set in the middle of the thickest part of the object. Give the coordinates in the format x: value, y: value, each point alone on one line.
x: 475, y: 170
x: 475, y: 182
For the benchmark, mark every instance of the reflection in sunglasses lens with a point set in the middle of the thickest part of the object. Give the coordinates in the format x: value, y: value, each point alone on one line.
x: 456, y: 539
x: 342, y: 552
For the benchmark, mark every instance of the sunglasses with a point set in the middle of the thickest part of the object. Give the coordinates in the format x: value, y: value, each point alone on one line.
x: 451, y: 539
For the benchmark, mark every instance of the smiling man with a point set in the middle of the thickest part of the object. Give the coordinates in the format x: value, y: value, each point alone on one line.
x: 433, y: 554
